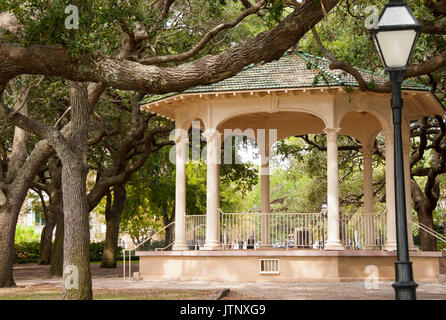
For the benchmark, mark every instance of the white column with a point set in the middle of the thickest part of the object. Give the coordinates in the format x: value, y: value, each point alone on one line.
x: 218, y: 211
x: 406, y: 159
x: 333, y: 241
x: 213, y: 194
x: 390, y: 193
x: 265, y: 201
x: 369, y: 223
x: 180, y: 194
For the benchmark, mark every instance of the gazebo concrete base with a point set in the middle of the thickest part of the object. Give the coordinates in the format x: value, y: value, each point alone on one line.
x: 294, y: 265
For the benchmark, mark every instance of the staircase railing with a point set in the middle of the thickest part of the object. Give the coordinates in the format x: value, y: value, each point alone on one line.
x: 124, y: 251
x: 170, y: 244
x: 430, y: 231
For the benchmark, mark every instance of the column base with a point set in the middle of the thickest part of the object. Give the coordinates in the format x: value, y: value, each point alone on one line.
x: 179, y: 246
x: 213, y: 246
x: 334, y: 246
x: 390, y: 246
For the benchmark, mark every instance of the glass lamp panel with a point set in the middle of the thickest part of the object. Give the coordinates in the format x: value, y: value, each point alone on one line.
x: 396, y: 46
x: 399, y: 15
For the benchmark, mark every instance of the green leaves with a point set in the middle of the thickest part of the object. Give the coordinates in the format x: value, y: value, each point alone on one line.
x: 275, y: 12
x: 99, y: 20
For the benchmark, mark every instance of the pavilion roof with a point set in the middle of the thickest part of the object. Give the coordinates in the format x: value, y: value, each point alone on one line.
x: 295, y: 69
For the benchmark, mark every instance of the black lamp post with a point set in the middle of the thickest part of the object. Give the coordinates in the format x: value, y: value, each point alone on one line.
x: 395, y: 35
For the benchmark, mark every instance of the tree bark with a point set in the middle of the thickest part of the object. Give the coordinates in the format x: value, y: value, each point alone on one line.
x: 56, y: 268
x: 54, y: 60
x: 77, y: 277
x: 46, y: 238
x: 424, y: 211
x: 8, y: 221
x: 9, y: 212
x: 14, y: 185
x: 55, y: 206
x: 113, y: 219
x: 168, y: 239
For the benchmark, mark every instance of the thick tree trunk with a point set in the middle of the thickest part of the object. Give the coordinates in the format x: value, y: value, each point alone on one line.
x: 56, y: 209
x: 9, y: 210
x: 13, y: 191
x: 57, y: 252
x: 168, y: 239
x: 424, y: 211
x: 113, y: 219
x: 428, y: 242
x: 8, y: 221
x: 77, y: 276
x: 46, y: 238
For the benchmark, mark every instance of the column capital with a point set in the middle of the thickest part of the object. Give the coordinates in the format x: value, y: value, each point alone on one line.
x: 332, y: 134
x: 180, y: 140
x: 213, y: 139
x: 367, y: 151
x: 387, y: 133
x: 388, y: 137
x: 331, y: 131
x: 212, y: 135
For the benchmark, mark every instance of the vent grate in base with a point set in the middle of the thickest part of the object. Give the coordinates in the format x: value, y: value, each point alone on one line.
x: 269, y: 266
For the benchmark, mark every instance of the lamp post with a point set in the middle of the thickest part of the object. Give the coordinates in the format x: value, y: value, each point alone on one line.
x: 395, y: 35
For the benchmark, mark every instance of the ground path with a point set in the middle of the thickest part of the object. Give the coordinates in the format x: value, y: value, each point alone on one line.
x: 33, y: 282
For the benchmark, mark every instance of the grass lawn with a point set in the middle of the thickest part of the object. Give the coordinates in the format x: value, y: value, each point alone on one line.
x: 51, y: 293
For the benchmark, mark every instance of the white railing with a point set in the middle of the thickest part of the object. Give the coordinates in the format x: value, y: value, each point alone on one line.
x: 277, y: 230
x: 134, y: 249
x: 195, y: 236
x: 363, y: 231
x: 289, y: 230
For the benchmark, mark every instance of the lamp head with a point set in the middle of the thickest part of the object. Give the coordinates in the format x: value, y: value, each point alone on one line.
x: 395, y: 35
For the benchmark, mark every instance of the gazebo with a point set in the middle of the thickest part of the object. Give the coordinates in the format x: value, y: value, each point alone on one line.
x: 295, y: 95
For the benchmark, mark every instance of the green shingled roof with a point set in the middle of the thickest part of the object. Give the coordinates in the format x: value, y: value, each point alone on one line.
x: 295, y: 69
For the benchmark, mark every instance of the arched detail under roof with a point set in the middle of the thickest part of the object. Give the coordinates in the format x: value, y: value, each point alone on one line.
x: 241, y: 114
x: 385, y: 125
x: 186, y: 124
x: 362, y: 125
x: 272, y: 126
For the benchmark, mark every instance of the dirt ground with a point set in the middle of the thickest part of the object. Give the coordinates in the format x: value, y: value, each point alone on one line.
x: 33, y: 282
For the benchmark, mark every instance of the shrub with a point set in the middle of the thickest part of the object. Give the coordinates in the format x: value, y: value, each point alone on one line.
x: 152, y: 245
x: 29, y: 252
x: 96, y: 250
x: 26, y: 252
